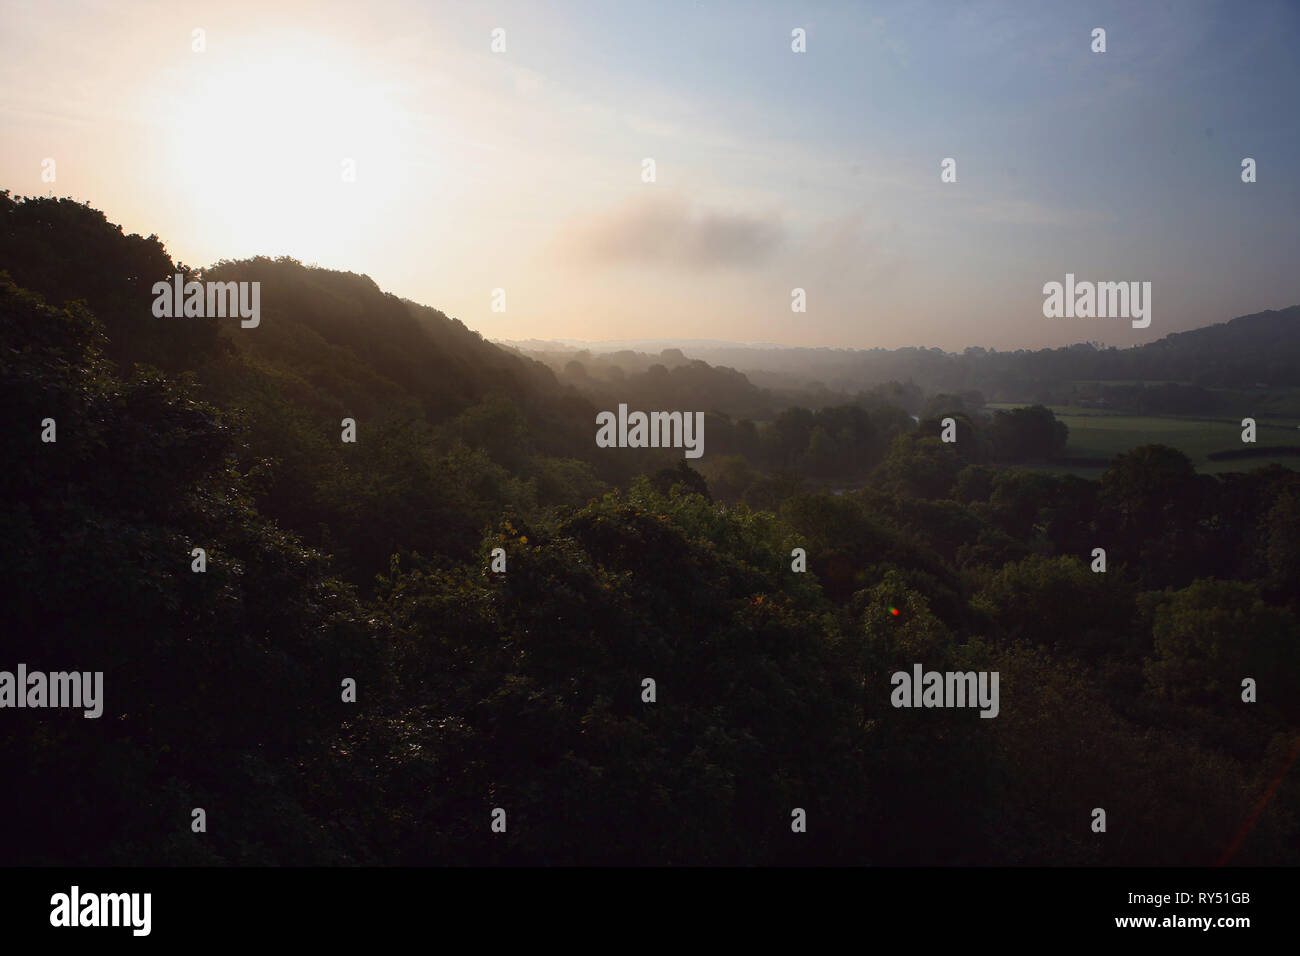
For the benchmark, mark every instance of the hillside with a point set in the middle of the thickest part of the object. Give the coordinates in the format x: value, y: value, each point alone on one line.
x: 467, y: 424
x: 497, y: 592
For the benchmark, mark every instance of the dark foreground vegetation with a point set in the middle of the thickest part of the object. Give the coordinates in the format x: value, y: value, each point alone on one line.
x: 1119, y: 690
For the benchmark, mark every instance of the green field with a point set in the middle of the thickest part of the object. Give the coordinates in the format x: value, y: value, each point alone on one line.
x: 1105, y: 433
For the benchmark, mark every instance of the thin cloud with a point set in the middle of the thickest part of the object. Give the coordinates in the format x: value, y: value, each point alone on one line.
x: 670, y: 232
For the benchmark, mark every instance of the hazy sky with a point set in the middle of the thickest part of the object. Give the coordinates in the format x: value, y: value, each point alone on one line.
x: 522, y: 170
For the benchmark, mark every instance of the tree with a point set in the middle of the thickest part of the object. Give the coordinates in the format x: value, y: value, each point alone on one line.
x: 682, y: 475
x: 1058, y: 602
x: 920, y: 467
x: 1022, y: 434
x: 1211, y: 634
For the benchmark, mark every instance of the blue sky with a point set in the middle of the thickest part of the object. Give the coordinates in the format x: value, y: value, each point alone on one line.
x: 522, y: 170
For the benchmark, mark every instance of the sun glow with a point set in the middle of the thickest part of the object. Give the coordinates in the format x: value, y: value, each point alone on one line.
x: 261, y: 150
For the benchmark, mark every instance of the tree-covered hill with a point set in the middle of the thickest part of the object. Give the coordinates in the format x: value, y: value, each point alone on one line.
x: 1241, y: 353
x: 182, y: 514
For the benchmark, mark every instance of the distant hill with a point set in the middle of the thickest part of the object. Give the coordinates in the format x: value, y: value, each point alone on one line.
x: 1259, y: 348
x: 1263, y: 348
x: 337, y: 338
x: 667, y: 380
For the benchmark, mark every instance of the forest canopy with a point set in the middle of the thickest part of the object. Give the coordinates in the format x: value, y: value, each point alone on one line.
x: 525, y: 688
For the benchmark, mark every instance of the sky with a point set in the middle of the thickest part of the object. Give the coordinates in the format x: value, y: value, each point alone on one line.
x: 524, y: 170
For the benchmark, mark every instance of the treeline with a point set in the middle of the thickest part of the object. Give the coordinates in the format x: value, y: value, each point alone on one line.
x: 1247, y: 351
x: 850, y: 444
x: 1037, y: 377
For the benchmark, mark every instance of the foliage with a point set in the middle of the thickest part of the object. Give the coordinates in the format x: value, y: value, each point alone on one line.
x: 524, y: 689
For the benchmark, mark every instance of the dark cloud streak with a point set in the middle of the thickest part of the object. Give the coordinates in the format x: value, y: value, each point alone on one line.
x: 673, y: 233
